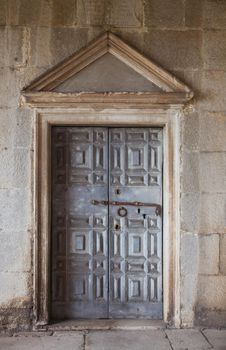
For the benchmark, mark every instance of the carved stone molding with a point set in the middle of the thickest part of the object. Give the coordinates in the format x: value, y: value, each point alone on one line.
x: 40, y: 93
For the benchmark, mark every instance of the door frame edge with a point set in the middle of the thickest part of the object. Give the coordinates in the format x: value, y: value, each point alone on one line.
x: 169, y: 119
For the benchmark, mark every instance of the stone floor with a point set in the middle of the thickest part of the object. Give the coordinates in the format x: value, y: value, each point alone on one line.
x: 159, y: 339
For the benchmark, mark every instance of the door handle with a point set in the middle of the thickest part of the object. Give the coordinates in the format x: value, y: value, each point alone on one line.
x: 158, y: 208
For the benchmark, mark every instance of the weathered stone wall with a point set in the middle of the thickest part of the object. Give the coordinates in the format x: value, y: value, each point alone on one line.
x: 186, y: 37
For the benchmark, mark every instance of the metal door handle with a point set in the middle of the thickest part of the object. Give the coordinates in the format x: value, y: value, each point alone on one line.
x: 134, y: 204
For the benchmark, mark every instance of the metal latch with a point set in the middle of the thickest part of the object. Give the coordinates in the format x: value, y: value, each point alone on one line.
x: 157, y: 207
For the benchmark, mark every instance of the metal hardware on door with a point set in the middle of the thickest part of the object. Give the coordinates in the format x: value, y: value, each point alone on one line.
x: 122, y: 212
x: 135, y: 204
x: 117, y: 191
x: 117, y: 227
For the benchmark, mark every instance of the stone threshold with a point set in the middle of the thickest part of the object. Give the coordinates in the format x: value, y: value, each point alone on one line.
x: 104, y: 324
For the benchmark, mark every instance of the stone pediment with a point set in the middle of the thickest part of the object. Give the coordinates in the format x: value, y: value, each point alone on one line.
x: 109, y: 68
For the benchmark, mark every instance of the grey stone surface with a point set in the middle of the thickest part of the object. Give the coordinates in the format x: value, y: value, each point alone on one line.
x: 187, y: 339
x: 166, y: 14
x: 217, y: 338
x: 212, y: 131
x: 163, y: 47
x: 20, y: 244
x: 211, y: 292
x: 142, y: 340
x: 214, y: 47
x: 190, y: 131
x: 69, y: 341
x: 14, y: 288
x: 213, y: 87
x: 190, y: 170
x: 209, y: 254
x: 214, y: 14
x: 15, y: 208
x: 91, y: 13
x: 189, y: 263
x: 3, y: 12
x: 193, y: 13
x: 213, y: 172
x: 190, y: 206
x: 125, y: 13
x: 180, y: 339
x: 212, y: 213
x: 223, y: 254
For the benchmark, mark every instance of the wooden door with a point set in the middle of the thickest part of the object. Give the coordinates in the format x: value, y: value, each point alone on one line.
x: 106, y: 249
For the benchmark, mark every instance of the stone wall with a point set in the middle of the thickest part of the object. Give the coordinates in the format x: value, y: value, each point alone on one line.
x: 187, y: 38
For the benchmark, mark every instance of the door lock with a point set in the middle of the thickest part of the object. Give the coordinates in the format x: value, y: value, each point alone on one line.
x: 158, y: 208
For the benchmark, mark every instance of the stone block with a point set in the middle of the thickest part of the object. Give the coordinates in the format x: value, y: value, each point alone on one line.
x: 213, y: 172
x: 174, y: 49
x: 124, y: 13
x: 64, y: 12
x: 190, y: 131
x: 190, y: 205
x: 14, y: 288
x: 212, y: 131
x: 164, y: 14
x: 18, y: 46
x: 209, y: 254
x: 91, y: 12
x: 15, y: 208
x: 214, y: 47
x: 190, y: 171
x: 212, y: 213
x: 191, y: 77
x: 193, y: 13
x: 213, y: 90
x: 211, y: 292
x: 6, y: 174
x: 20, y: 244
x: 68, y: 340
x: 24, y: 12
x: 21, y: 168
x: 191, y: 339
x: 24, y: 128
x: 223, y: 254
x: 127, y: 340
x: 40, y: 52
x: 3, y: 41
x: 51, y: 45
x: 216, y: 337
x: 8, y: 123
x: 210, y: 318
x: 189, y: 276
x: 3, y: 12
x: 214, y: 14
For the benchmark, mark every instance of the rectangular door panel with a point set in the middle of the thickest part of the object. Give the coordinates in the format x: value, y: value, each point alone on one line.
x: 135, y: 239
x: 79, y: 229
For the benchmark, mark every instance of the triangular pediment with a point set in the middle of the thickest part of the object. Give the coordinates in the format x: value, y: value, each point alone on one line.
x: 108, y: 47
x: 107, y: 74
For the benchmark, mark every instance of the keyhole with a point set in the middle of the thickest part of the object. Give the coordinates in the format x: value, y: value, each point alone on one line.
x: 117, y: 191
x: 117, y: 227
x: 138, y: 210
x: 144, y: 216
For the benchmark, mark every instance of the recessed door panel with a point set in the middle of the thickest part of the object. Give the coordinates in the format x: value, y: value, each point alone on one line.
x: 106, y: 223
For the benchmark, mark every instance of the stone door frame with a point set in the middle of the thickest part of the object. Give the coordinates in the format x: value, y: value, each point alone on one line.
x: 167, y: 117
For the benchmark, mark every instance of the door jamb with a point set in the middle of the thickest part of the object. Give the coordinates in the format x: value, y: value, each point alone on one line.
x: 169, y: 119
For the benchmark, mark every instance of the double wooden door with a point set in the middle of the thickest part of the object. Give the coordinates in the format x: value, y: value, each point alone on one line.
x: 106, y: 222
